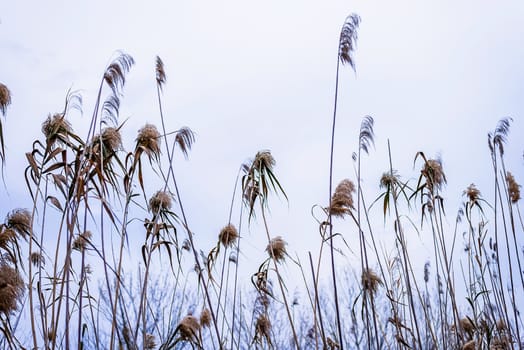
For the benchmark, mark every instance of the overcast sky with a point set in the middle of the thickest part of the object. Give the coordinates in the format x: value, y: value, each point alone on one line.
x: 436, y: 76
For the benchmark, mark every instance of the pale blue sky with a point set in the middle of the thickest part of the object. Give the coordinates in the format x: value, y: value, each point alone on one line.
x: 435, y: 75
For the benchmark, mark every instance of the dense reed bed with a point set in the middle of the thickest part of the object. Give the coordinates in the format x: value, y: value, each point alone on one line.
x: 74, y: 275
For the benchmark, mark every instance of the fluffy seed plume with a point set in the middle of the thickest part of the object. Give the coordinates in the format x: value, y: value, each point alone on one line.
x: 112, y: 139
x: 81, y: 241
x: 513, y: 188
x: 19, y: 220
x: 370, y: 281
x: 161, y: 200
x: 150, y: 342
x: 55, y: 126
x: 263, y: 328
x: 228, y: 235
x: 342, y: 199
x: 264, y: 159
x: 472, y: 193
x: 276, y: 248
x: 434, y: 174
x: 37, y: 259
x: 148, y: 140
x: 160, y: 72
x: 205, y: 318
x: 348, y: 39
x: 11, y: 288
x: 189, y: 328
x: 467, y: 326
x: 5, y: 98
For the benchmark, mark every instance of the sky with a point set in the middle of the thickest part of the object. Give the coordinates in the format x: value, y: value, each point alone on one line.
x: 436, y: 76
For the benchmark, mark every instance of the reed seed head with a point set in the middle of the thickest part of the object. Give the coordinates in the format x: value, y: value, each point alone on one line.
x: 426, y: 272
x: 205, y: 318
x: 189, y: 328
x: 513, y: 188
x: 5, y: 98
x: 342, y: 199
x: 264, y: 159
x: 332, y: 344
x: 82, y: 240
x: 112, y: 139
x: 472, y: 193
x: 11, y: 288
x: 37, y: 259
x: 370, y: 280
x: 263, y: 328
x: 228, y: 235
x: 277, y: 248
x: 20, y: 221
x: 160, y: 72
x: 148, y: 140
x: 55, y: 125
x: 467, y: 325
x: 389, y: 179
x: 7, y: 235
x: 160, y: 201
x: 150, y: 342
x: 434, y: 174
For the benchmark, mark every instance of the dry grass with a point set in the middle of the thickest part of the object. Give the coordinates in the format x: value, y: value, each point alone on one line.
x: 67, y: 262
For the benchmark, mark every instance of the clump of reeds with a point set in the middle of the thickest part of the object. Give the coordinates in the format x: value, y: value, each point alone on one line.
x: 228, y: 235
x: 276, y: 248
x: 342, y: 199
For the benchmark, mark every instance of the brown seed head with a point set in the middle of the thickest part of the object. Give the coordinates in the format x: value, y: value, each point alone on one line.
x: 332, y: 344
x: 228, y: 235
x: 513, y: 188
x: 11, y: 288
x: 112, y: 139
x: 205, y: 318
x: 82, y: 240
x: 467, y: 325
x: 148, y: 140
x: 55, y: 125
x: 434, y: 174
x: 37, y: 259
x: 20, y: 221
x: 161, y: 200
x: 5, y: 98
x: 7, y: 235
x: 370, y: 281
x: 264, y: 159
x: 473, y: 193
x: 276, y: 248
x: 189, y: 328
x: 263, y: 328
x: 150, y: 342
x: 342, y: 199
x: 389, y: 179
